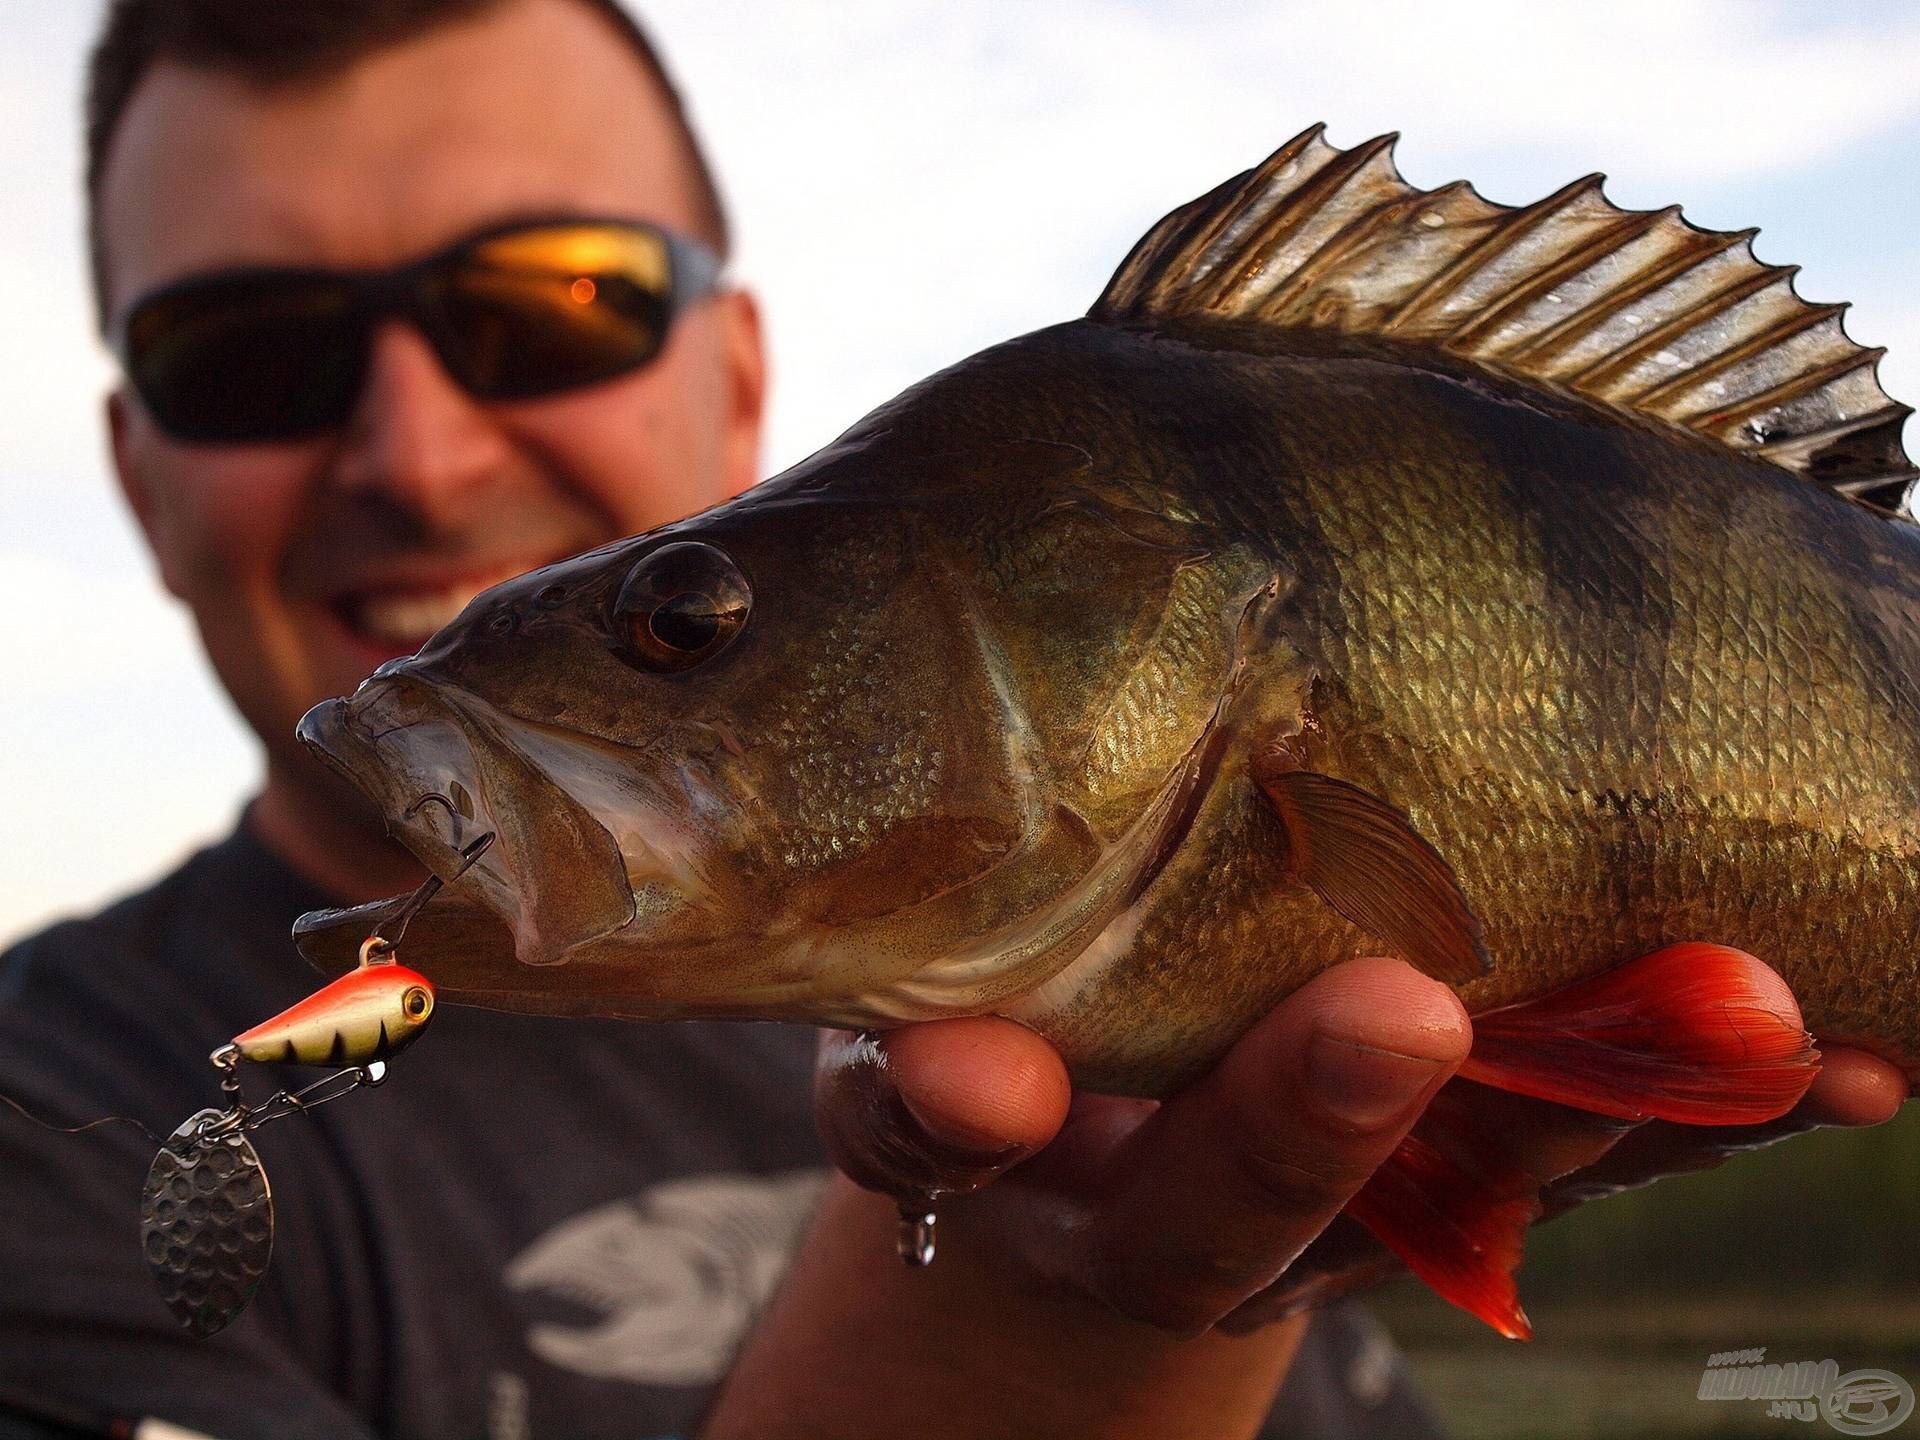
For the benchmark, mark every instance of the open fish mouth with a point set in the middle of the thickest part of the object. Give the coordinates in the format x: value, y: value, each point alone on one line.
x: 444, y: 774
x: 427, y: 798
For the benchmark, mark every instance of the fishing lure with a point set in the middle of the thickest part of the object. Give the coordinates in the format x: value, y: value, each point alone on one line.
x: 206, y: 1212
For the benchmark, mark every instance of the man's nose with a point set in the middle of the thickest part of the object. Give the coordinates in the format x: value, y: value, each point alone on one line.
x: 415, y: 434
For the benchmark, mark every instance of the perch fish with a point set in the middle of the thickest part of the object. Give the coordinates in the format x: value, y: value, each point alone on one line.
x: 1527, y: 593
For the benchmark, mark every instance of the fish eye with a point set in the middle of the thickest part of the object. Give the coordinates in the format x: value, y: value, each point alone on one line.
x: 416, y: 1004
x: 681, y: 604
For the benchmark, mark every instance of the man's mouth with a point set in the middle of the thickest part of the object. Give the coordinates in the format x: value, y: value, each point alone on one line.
x: 401, y: 617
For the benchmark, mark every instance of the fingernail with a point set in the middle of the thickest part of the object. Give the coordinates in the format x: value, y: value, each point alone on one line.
x: 1364, y: 1085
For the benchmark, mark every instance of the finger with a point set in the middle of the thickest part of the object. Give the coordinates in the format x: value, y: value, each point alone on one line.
x: 1853, y: 1088
x: 1214, y: 1194
x: 937, y: 1107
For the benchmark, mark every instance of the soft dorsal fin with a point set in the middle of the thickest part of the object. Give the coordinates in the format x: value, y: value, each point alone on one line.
x: 1638, y: 310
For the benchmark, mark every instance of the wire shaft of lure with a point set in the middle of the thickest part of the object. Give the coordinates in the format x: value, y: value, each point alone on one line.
x: 389, y: 931
x: 241, y: 1117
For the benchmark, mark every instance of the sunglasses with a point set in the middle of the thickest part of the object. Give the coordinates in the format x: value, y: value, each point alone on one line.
x: 514, y: 311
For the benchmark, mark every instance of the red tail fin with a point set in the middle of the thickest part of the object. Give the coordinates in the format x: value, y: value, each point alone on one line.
x: 1689, y: 1034
x: 1692, y: 1034
x: 1458, y: 1221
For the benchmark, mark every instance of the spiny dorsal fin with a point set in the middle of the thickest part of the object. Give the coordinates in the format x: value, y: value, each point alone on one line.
x: 1638, y: 310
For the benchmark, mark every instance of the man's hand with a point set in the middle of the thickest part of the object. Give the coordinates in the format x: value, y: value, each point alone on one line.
x: 1078, y: 1295
x: 951, y: 1105
x: 1173, y: 1213
x: 1116, y: 1267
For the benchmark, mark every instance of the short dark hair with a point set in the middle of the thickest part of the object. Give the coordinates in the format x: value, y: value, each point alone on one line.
x: 287, y: 42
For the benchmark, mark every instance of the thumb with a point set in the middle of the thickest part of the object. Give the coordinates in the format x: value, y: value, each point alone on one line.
x: 937, y: 1107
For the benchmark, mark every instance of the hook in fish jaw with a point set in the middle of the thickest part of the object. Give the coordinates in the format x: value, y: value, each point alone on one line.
x: 434, y: 797
x: 389, y: 931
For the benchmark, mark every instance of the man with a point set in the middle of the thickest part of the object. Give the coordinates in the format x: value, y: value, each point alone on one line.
x: 555, y: 1228
x: 544, y: 1226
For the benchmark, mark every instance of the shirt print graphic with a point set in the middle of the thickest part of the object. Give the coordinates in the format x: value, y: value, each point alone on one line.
x: 668, y: 1280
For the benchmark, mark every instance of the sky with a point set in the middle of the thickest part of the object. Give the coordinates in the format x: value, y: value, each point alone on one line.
x: 913, y: 180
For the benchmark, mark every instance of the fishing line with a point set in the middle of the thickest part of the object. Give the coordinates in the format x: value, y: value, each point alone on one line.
x: 78, y: 1129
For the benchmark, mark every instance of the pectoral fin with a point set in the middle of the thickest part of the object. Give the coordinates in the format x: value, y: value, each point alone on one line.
x: 1364, y: 858
x: 1687, y: 1034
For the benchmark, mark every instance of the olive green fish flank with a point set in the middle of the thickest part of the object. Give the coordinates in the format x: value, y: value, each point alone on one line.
x: 1557, y: 550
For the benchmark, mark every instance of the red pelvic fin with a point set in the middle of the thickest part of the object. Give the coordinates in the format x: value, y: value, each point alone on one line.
x: 1458, y: 1220
x: 1692, y: 1033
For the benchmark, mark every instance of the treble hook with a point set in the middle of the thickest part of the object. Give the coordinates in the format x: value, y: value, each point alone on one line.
x: 432, y: 797
x: 387, y: 934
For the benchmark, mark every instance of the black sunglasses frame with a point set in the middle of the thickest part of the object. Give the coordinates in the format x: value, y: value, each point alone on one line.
x: 693, y: 273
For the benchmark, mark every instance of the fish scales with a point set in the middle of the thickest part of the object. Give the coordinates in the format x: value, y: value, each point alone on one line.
x: 1648, y: 680
x: 1528, y: 593
x: 1634, y: 691
x: 1542, y: 585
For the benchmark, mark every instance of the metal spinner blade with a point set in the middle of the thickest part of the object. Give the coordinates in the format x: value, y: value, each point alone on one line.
x: 206, y: 1222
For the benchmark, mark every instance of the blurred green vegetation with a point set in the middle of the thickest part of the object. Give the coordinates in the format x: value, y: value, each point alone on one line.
x: 1831, y: 1209
x: 1810, y: 1248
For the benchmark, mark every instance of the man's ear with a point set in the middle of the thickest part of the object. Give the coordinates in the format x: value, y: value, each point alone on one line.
x: 133, y: 484
x: 746, y: 366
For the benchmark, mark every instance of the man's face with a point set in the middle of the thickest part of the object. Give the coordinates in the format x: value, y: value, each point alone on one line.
x: 308, y: 562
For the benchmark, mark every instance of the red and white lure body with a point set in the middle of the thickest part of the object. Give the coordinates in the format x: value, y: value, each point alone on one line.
x: 368, y: 1014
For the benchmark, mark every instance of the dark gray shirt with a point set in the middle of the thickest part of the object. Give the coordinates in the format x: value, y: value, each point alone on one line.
x: 538, y: 1228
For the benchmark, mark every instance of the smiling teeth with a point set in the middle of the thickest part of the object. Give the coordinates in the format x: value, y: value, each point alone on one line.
x: 409, y: 617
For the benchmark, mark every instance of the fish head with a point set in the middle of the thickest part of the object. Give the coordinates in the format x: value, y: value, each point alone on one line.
x: 847, y: 749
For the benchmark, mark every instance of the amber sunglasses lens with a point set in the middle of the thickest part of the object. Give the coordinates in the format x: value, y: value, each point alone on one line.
x: 247, y: 358
x: 546, y: 308
x: 277, y: 354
